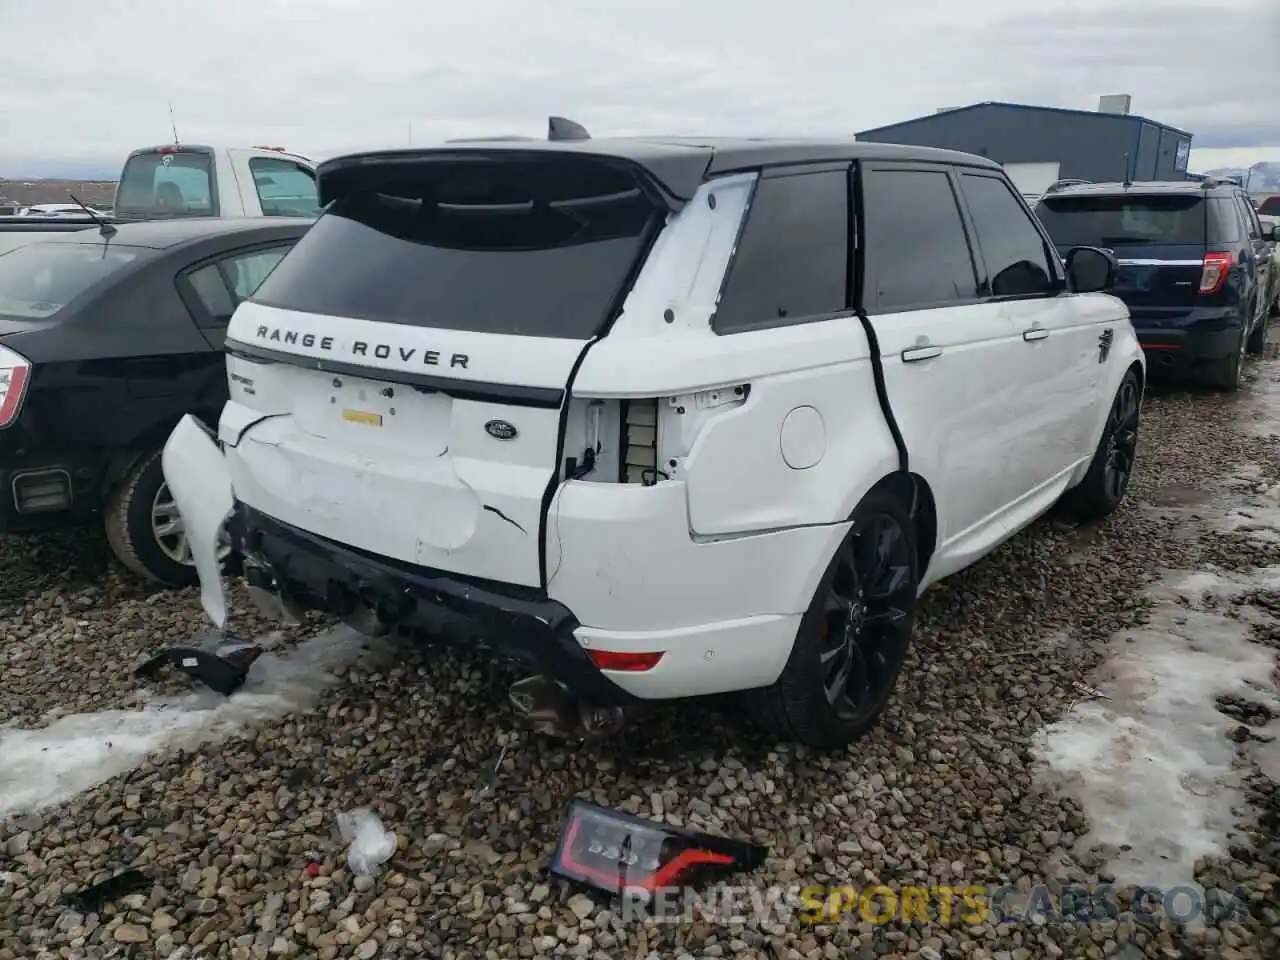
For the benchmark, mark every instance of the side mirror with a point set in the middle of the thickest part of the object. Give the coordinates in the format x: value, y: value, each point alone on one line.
x: 1269, y: 231
x: 1090, y: 269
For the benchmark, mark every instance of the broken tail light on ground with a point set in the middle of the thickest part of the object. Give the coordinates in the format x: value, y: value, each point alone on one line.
x: 627, y: 856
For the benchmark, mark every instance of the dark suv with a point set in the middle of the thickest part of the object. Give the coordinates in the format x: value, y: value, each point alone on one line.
x: 1195, y: 267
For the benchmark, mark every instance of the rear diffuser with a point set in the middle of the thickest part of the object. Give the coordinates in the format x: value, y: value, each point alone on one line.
x: 220, y: 663
x: 619, y: 854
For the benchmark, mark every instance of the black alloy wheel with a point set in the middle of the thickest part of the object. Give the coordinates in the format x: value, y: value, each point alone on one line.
x: 1121, y: 441
x: 866, y: 624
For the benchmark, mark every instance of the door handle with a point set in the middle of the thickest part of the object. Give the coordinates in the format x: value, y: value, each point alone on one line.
x: 1035, y: 333
x: 916, y: 354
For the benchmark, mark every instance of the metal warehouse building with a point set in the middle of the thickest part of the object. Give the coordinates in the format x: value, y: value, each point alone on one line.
x: 1038, y: 145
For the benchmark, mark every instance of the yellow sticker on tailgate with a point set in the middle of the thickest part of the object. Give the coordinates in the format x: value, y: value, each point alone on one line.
x: 362, y: 416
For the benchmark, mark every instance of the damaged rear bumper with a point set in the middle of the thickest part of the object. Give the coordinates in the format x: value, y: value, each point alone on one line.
x: 302, y: 570
x: 316, y: 573
x: 198, y: 478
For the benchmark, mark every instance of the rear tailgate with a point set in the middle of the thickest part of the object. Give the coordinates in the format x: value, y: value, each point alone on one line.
x: 1159, y: 240
x: 413, y: 352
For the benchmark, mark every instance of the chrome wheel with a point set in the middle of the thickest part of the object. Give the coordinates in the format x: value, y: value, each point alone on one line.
x: 171, y: 533
x: 1122, y: 441
x: 866, y: 622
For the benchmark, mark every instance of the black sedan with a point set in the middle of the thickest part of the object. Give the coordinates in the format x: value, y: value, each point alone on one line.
x: 107, y: 337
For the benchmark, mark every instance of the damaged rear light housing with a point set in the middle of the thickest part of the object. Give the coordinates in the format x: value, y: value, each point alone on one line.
x: 15, y: 374
x: 623, y: 855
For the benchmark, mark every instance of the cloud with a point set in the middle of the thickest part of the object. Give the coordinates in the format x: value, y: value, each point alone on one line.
x: 83, y: 81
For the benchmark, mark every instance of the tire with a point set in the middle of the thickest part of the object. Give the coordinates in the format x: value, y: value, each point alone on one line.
x: 1224, y: 374
x: 866, y: 597
x: 1111, y: 469
x: 131, y: 530
x: 1258, y: 339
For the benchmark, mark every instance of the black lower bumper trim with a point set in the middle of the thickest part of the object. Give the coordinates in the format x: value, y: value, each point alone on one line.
x: 322, y: 574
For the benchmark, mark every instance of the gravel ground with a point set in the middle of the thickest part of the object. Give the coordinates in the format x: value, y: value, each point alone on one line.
x: 945, y: 791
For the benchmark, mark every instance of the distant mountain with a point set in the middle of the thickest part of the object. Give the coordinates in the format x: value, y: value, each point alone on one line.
x: 1264, y: 175
x: 45, y: 168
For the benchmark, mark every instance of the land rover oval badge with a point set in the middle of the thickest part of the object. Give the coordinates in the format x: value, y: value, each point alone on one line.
x: 501, y: 430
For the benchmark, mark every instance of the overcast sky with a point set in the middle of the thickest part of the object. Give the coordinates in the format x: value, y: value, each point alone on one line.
x: 84, y: 81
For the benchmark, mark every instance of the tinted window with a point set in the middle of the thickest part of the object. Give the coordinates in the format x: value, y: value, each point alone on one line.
x: 792, y: 260
x: 1226, y: 221
x: 285, y: 189
x: 497, y: 246
x: 917, y: 250
x: 39, y: 279
x: 212, y: 292
x: 221, y: 285
x: 1017, y: 262
x: 1253, y: 226
x: 1270, y: 207
x: 247, y: 272
x: 155, y: 185
x: 1124, y: 220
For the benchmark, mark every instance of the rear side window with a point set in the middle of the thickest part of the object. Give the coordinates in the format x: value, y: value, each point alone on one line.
x: 166, y: 185
x: 221, y: 285
x: 1226, y: 221
x: 792, y: 260
x: 1124, y: 220
x: 38, y: 280
x: 917, y: 250
x: 1253, y: 226
x: 285, y: 189
x: 1014, y: 251
x: 534, y: 248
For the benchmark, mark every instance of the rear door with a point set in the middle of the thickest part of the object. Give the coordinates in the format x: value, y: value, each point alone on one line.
x: 1159, y: 239
x: 411, y: 355
x: 1058, y: 368
x: 952, y: 362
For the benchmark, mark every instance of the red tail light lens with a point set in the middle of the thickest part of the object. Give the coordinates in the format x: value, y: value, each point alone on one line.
x: 15, y: 373
x: 1214, y: 273
x: 619, y: 660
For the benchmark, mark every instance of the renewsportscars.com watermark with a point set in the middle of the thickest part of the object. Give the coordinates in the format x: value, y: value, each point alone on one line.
x: 942, y: 905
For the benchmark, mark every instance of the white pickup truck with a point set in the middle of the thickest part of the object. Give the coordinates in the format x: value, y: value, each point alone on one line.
x: 191, y: 181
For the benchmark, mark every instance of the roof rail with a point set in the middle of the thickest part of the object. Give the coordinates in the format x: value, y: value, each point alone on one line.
x: 1060, y: 184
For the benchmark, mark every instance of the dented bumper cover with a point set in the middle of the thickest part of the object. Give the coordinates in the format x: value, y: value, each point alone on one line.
x: 323, y: 574
x: 197, y: 475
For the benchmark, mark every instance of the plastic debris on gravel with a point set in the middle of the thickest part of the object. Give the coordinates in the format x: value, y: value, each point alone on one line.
x: 49, y: 765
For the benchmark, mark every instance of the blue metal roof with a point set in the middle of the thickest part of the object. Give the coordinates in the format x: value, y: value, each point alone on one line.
x: 1024, y: 106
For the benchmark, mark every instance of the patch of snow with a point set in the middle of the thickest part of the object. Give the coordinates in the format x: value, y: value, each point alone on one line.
x: 49, y: 765
x: 1152, y: 766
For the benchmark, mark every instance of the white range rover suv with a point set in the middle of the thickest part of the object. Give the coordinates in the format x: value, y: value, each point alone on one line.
x: 661, y: 417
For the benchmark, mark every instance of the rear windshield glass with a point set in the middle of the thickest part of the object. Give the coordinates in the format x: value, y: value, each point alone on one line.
x: 1270, y: 207
x: 492, y: 246
x: 163, y: 185
x: 1109, y: 221
x: 38, y: 280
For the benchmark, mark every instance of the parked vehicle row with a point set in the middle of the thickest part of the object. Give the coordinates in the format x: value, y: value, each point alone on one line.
x: 185, y: 181
x: 660, y: 418
x: 1197, y: 267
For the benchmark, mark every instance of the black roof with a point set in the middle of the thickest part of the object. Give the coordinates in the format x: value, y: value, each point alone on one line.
x: 678, y: 164
x: 164, y: 234
x: 1141, y: 188
x: 988, y: 104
